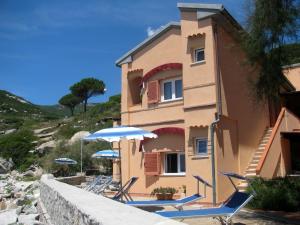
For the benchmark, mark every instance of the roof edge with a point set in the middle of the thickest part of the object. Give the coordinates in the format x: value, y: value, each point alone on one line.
x: 196, y: 6
x: 147, y: 41
x: 295, y: 65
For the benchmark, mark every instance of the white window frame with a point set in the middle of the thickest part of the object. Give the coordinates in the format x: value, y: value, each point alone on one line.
x: 195, y: 55
x: 196, y: 146
x: 178, y: 163
x: 173, y: 90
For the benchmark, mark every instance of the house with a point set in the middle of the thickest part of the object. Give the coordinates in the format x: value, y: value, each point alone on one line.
x: 188, y: 84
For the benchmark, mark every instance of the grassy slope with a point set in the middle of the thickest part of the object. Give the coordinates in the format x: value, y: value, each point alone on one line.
x: 16, y: 112
x: 93, y: 119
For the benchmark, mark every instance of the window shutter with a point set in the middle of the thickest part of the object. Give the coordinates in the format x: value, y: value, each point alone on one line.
x: 153, y: 91
x: 138, y: 81
x: 152, y: 163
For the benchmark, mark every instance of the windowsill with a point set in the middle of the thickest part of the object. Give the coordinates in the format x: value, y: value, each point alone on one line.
x: 172, y: 174
x: 198, y: 63
x: 200, y: 156
x: 171, y: 100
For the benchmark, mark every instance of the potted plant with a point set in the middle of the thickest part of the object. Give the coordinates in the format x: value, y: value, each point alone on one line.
x: 164, y: 193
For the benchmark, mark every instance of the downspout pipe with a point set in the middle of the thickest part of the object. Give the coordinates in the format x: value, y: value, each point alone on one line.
x: 219, y: 112
x: 213, y: 163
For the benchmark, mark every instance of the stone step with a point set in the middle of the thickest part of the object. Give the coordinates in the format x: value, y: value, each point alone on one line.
x: 264, y: 141
x: 254, y: 165
x: 262, y: 145
x: 258, y: 154
x: 256, y: 157
x: 250, y: 171
x: 250, y: 175
x: 255, y: 161
x: 241, y: 185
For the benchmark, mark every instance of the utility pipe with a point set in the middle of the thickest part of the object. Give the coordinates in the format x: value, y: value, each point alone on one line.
x: 213, y: 166
x: 219, y: 112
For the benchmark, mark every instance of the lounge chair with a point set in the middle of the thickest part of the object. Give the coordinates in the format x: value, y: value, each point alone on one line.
x: 179, y: 203
x: 224, y: 213
x: 123, y: 192
x: 99, y: 184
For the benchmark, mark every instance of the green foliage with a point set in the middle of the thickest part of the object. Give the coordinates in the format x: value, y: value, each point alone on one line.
x: 73, y: 152
x: 87, y: 88
x: 94, y: 119
x: 271, y: 25
x: 67, y: 131
x: 292, y: 52
x: 277, y: 194
x: 164, y: 190
x: 70, y: 101
x: 17, y: 146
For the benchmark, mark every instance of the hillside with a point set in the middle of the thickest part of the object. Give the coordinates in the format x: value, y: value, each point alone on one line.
x: 48, y: 137
x: 16, y: 112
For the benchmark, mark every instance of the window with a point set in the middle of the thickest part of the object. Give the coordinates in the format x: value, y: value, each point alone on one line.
x: 174, y: 163
x: 199, y: 55
x: 171, y: 90
x: 201, y: 146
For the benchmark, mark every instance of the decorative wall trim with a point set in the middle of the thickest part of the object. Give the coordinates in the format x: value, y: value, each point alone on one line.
x: 200, y: 106
x: 159, y: 106
x: 199, y: 86
x: 155, y: 123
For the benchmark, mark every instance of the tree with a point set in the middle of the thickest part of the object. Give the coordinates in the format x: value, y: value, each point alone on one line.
x: 87, y: 88
x: 271, y: 25
x: 70, y: 101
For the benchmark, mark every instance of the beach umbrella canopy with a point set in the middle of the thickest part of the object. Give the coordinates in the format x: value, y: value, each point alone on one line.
x: 65, y: 161
x: 115, y: 134
x: 106, y: 154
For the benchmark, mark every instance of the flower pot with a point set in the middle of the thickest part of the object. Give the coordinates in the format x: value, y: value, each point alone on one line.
x: 166, y: 196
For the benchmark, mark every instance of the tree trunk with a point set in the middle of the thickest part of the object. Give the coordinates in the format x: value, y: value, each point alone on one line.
x: 72, y: 111
x: 84, y: 105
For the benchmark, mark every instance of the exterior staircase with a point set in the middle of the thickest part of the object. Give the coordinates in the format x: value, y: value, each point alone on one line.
x: 251, y: 169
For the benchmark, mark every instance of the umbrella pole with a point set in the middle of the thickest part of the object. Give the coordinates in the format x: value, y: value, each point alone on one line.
x: 81, y: 146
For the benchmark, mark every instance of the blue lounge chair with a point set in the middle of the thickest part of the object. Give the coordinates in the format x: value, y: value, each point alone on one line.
x: 176, y: 203
x: 123, y: 192
x: 224, y: 213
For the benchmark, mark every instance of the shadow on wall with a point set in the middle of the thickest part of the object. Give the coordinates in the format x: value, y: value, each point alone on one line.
x: 227, y: 136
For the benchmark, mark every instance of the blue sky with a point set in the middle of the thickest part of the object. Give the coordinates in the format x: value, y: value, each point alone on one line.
x: 46, y: 46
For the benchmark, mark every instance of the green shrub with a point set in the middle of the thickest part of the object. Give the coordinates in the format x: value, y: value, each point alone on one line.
x: 282, y: 194
x: 17, y: 146
x: 164, y: 190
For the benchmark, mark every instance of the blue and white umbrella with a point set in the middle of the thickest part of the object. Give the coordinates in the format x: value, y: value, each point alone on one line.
x: 65, y: 161
x: 106, y: 154
x: 118, y: 133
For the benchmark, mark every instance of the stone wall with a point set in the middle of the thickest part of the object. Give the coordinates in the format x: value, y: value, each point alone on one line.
x: 74, y: 180
x: 66, y: 204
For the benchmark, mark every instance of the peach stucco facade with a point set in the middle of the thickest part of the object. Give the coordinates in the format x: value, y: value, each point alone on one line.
x: 217, y: 85
x: 292, y: 73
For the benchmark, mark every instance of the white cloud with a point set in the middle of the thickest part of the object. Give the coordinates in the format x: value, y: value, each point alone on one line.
x: 151, y: 31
